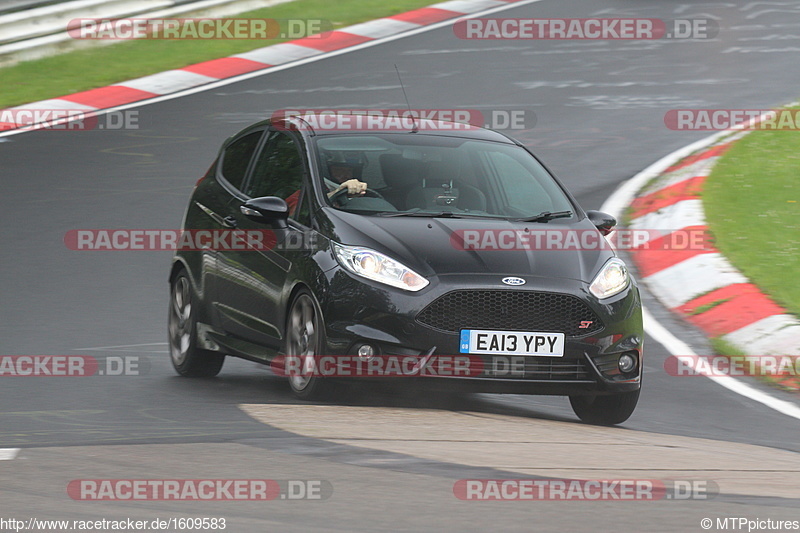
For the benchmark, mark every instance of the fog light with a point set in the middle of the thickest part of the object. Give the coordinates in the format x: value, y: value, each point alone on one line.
x: 627, y: 363
x: 366, y: 352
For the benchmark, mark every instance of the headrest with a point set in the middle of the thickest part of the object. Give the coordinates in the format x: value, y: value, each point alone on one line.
x: 399, y: 172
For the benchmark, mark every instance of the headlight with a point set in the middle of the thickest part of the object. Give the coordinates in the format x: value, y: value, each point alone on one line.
x: 612, y: 279
x: 378, y: 267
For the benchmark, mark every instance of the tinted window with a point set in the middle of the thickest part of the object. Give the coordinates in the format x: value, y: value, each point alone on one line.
x: 519, y: 189
x: 430, y: 174
x: 237, y: 157
x: 302, y: 213
x: 278, y: 170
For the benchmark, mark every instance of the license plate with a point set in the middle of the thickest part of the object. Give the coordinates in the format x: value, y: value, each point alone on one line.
x: 481, y: 341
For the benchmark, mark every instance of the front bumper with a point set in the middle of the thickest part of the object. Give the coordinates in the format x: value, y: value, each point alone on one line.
x: 358, y: 311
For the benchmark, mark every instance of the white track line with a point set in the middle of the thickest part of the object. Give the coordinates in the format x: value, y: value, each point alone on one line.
x: 677, y: 347
x: 7, y: 454
x: 615, y: 205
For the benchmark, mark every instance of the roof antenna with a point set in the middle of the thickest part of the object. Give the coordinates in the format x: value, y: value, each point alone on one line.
x: 414, y: 129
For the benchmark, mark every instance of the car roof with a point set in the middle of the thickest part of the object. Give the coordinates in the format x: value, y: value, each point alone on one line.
x: 305, y: 124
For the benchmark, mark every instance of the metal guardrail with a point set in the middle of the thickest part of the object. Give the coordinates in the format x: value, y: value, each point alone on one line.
x: 42, y: 30
x: 50, y: 19
x: 10, y: 6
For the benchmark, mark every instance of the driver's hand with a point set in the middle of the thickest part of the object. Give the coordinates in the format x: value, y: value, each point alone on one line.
x: 354, y: 187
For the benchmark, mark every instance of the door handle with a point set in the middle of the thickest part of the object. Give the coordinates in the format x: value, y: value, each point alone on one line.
x: 229, y: 221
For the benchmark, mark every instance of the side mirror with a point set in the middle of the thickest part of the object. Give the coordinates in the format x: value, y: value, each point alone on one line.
x: 266, y: 209
x: 602, y: 221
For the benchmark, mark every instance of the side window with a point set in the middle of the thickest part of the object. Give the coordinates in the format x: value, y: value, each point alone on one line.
x: 237, y: 157
x: 302, y: 213
x: 278, y: 171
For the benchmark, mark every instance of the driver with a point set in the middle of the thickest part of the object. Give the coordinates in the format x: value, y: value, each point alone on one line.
x: 344, y: 174
x: 341, y: 173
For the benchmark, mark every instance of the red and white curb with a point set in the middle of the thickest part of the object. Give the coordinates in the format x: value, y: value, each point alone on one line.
x: 616, y: 204
x: 701, y: 284
x: 207, y: 72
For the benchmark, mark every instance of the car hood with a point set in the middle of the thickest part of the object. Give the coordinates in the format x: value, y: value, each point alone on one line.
x: 440, y: 246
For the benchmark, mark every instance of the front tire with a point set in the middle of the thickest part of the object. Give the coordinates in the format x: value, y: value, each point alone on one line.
x: 304, y: 341
x: 187, y: 359
x: 605, y: 410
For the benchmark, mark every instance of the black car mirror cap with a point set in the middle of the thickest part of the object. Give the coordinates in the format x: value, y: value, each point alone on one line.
x: 266, y: 209
x: 602, y: 221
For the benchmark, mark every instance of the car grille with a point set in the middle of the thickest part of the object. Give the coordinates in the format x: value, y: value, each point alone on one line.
x: 512, y: 310
x: 536, y: 368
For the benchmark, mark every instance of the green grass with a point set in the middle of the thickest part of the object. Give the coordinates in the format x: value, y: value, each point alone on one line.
x: 709, y: 306
x: 104, y: 65
x: 752, y: 203
x: 723, y: 347
x: 783, y: 382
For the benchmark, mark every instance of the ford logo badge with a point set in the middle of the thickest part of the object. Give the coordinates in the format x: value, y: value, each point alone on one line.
x: 514, y: 281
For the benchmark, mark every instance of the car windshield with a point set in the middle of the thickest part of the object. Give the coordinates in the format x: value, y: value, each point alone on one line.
x: 427, y: 175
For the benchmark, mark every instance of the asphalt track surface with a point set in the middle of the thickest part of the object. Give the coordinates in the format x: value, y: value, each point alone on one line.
x: 600, y: 108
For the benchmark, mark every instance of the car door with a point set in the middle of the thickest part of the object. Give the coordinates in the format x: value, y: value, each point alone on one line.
x: 207, y: 212
x: 253, y: 282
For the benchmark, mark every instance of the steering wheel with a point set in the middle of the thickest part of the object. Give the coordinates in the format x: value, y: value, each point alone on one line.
x: 341, y: 198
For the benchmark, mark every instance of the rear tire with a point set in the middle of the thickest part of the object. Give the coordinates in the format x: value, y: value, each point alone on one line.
x: 304, y: 341
x: 187, y: 359
x: 605, y: 410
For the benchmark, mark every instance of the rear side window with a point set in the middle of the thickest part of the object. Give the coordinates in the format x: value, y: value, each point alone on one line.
x: 237, y: 157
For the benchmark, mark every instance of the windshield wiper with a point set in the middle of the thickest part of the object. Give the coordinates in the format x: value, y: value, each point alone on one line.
x: 545, y: 216
x: 440, y: 214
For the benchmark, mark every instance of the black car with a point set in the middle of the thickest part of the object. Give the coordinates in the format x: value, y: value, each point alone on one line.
x: 424, y: 242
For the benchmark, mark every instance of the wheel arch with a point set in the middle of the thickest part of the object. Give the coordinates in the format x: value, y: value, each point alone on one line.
x: 178, y: 264
x: 300, y: 286
x: 196, y: 280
